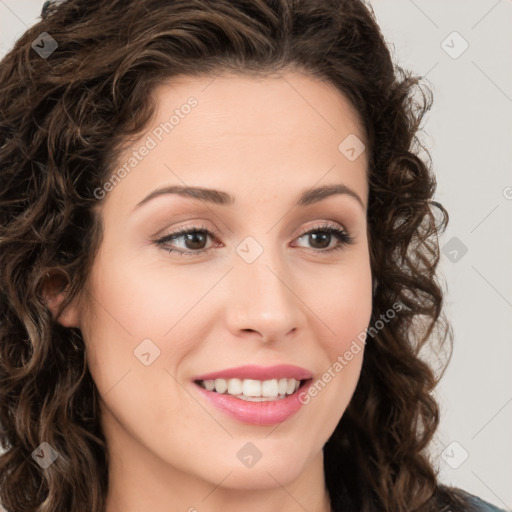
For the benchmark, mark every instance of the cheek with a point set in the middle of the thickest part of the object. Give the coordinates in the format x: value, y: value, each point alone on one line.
x: 136, y: 302
x: 345, y: 306
x: 125, y: 312
x: 135, y: 310
x: 345, y: 312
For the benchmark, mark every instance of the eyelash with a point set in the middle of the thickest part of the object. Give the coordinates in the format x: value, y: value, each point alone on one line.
x: 343, y: 237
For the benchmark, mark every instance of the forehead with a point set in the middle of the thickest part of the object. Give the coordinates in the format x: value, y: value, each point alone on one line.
x: 241, y: 133
x: 296, y: 101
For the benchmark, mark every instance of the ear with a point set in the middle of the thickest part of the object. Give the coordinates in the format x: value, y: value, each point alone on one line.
x: 54, y: 291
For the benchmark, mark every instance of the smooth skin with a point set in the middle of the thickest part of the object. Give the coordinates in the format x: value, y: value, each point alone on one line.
x: 264, y: 141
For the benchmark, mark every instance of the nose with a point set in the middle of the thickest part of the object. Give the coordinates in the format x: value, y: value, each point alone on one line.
x: 264, y: 300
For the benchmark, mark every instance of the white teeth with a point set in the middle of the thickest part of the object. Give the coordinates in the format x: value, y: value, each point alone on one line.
x: 251, y: 387
x: 234, y: 386
x: 253, y: 390
x: 269, y: 388
x: 221, y: 385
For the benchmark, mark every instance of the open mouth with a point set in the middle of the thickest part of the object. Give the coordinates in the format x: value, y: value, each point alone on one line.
x: 253, y: 390
x: 256, y: 395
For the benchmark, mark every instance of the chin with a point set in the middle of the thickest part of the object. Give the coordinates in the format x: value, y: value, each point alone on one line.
x: 263, y: 476
x: 270, y: 466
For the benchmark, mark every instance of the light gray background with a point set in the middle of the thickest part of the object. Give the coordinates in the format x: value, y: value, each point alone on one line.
x: 469, y: 136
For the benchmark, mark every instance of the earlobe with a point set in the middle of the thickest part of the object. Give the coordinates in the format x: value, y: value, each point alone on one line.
x: 54, y: 292
x: 69, y: 317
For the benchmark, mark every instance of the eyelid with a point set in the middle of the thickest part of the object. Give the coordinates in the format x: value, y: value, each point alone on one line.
x: 201, y: 227
x: 176, y: 232
x: 326, y: 224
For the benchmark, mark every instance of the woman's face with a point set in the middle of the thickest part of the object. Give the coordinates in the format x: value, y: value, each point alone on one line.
x: 257, y: 304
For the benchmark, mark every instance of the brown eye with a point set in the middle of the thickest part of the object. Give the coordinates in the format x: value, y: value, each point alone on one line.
x: 321, y: 237
x: 194, y: 240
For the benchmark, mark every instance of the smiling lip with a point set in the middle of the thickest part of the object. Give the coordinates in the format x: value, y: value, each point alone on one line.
x: 257, y: 413
x: 281, y: 371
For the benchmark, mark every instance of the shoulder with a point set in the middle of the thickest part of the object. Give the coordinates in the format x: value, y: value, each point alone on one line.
x: 480, y: 505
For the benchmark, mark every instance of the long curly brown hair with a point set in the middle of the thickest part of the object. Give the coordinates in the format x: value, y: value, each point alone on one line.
x: 64, y: 118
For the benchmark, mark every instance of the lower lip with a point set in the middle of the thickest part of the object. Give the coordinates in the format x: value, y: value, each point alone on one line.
x: 256, y: 413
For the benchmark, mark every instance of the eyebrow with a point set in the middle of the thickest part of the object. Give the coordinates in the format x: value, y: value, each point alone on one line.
x: 306, y: 198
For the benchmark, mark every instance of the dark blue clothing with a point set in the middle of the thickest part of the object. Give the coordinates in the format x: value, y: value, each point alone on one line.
x: 483, y: 506
x: 341, y: 502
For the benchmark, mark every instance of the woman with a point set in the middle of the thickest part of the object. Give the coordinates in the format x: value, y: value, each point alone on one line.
x: 217, y: 241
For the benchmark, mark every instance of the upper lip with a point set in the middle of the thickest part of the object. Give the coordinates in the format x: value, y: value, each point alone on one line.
x: 281, y: 371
